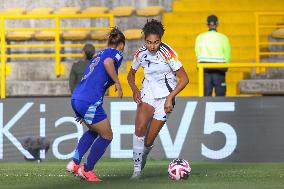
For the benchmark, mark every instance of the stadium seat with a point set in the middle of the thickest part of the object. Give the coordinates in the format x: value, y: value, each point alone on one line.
x: 44, y: 35
x: 14, y: 11
x: 95, y: 10
x: 122, y: 11
x: 75, y: 35
x: 278, y: 34
x: 41, y: 11
x: 100, y: 35
x: 150, y: 11
x: 131, y: 34
x: 19, y: 35
x: 68, y: 10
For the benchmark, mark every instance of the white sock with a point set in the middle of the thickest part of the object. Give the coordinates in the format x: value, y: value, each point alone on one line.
x: 138, y: 148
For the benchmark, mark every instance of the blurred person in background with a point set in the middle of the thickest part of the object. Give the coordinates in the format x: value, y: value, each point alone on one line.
x: 78, y: 68
x: 213, y: 47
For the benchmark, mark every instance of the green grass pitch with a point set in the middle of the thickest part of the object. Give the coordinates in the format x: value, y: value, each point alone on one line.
x: 116, y: 173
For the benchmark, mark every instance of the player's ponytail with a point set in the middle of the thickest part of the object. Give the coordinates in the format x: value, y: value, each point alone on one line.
x: 116, y: 37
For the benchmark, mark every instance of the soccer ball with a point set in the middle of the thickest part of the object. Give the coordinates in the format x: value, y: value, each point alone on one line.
x: 179, y: 169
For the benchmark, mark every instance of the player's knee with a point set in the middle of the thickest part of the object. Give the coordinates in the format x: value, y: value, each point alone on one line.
x: 108, y: 136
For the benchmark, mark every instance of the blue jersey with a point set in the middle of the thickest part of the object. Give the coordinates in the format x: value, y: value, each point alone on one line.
x: 96, y: 80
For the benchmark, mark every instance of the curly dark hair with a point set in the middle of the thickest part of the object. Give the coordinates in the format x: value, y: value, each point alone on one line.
x: 153, y: 27
x: 116, y: 37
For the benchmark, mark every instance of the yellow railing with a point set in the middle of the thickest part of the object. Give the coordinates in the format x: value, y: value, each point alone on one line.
x: 59, y: 68
x: 261, y: 24
x: 202, y: 66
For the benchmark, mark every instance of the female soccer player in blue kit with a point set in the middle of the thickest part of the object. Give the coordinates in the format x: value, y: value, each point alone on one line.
x: 87, y: 101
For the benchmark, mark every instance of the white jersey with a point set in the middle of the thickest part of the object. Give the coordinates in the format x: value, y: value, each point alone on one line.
x: 159, y: 70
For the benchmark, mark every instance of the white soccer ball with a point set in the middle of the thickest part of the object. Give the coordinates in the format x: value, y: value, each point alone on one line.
x: 179, y: 169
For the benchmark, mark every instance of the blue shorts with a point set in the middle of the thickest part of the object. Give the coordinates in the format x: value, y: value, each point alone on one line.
x: 91, y: 113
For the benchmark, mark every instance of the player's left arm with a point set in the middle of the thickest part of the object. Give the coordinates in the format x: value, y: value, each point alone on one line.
x: 183, y: 81
x: 109, y: 66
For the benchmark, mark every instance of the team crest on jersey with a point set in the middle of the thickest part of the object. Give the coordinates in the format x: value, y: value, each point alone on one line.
x: 118, y: 56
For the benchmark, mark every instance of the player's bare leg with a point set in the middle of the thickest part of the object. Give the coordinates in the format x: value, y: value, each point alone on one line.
x: 144, y: 115
x: 152, y: 132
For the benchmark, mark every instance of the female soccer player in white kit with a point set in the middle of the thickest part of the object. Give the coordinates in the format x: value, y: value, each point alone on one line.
x: 157, y: 97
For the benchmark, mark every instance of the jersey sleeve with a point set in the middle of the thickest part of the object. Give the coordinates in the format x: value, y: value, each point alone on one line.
x: 114, y: 54
x: 170, y: 56
x: 136, y: 62
x: 175, y: 64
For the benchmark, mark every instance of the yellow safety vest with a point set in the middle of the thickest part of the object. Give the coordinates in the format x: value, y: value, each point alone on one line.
x: 212, y: 46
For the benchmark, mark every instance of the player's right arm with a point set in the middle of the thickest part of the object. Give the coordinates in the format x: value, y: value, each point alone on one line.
x: 109, y: 66
x: 131, y: 78
x: 134, y: 88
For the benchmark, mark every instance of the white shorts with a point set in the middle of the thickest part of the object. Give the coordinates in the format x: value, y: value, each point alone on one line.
x: 158, y: 104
